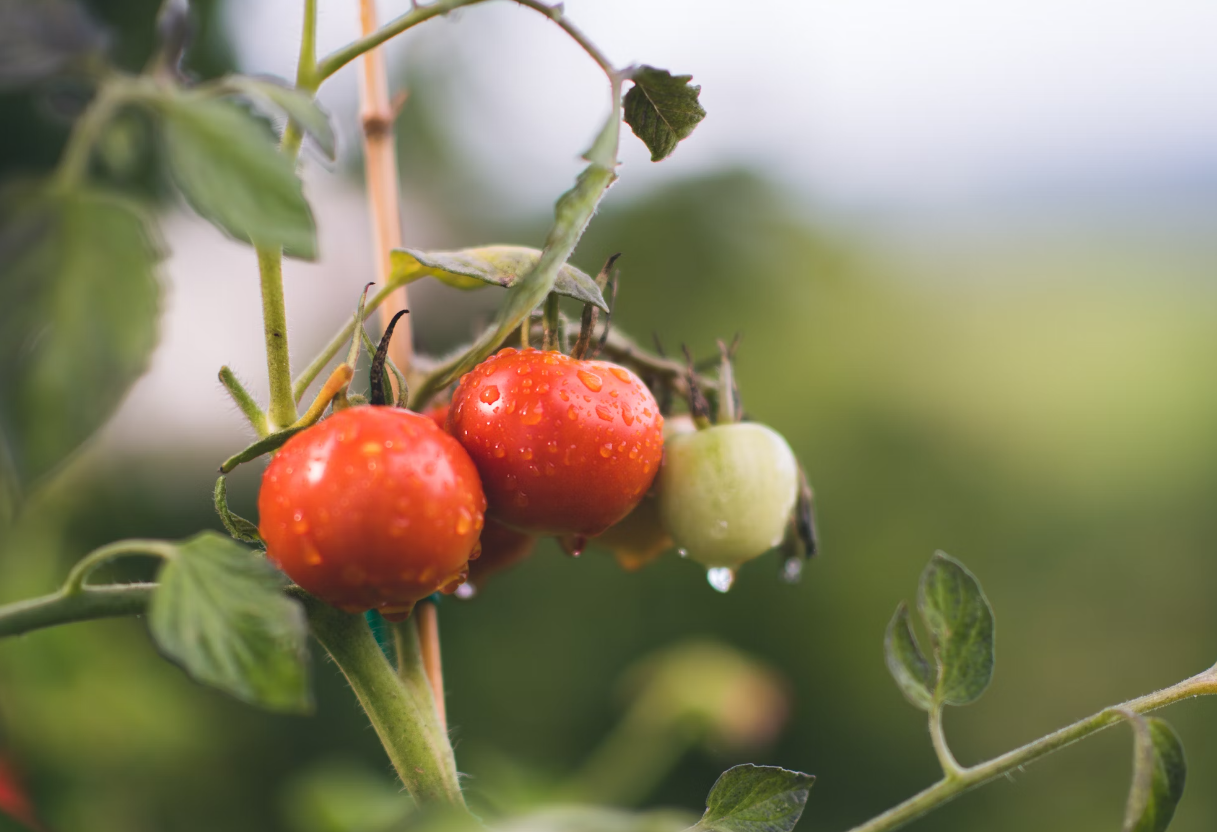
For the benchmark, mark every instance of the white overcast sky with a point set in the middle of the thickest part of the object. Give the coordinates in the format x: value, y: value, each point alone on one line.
x: 899, y: 103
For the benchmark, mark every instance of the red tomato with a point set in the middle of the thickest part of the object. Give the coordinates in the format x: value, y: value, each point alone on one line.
x: 501, y: 547
x: 375, y: 507
x: 563, y: 446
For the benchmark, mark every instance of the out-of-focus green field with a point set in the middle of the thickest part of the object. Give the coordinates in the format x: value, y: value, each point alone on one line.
x: 1041, y: 406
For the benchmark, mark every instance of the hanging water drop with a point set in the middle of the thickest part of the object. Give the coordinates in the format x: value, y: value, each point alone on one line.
x: 466, y: 591
x: 721, y: 578
x: 792, y: 570
x: 684, y: 553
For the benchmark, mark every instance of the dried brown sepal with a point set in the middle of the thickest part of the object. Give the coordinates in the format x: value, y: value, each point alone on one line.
x: 377, y: 392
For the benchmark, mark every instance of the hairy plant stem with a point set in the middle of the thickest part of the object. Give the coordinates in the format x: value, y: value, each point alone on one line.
x: 950, y: 767
x: 967, y: 778
x: 399, y: 704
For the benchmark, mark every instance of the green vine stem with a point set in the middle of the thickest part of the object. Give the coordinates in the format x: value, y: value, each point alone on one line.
x: 400, y: 707
x: 967, y: 778
x: 950, y: 766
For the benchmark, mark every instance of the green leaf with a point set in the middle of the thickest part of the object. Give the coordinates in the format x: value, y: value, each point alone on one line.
x: 960, y: 621
x: 79, y: 299
x: 752, y: 798
x: 1158, y: 777
x: 219, y: 611
x: 232, y: 174
x: 908, y: 665
x: 475, y: 268
x: 662, y: 109
x: 299, y: 106
x: 572, y: 213
x: 237, y: 526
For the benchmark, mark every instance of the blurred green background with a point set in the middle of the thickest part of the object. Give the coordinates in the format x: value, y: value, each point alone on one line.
x: 1037, y: 402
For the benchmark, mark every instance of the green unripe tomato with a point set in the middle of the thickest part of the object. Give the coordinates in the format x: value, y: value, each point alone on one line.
x: 726, y: 492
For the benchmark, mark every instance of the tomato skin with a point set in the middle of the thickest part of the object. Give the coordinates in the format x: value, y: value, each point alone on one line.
x: 372, y: 508
x: 726, y: 492
x: 563, y: 446
x: 502, y: 548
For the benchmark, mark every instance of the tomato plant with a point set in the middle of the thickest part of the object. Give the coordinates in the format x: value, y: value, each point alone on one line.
x: 563, y: 446
x: 375, y: 507
x: 364, y: 506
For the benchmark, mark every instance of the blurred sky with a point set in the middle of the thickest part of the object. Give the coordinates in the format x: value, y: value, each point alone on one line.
x: 884, y: 106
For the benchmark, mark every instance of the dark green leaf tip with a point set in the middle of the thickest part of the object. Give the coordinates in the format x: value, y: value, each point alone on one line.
x: 961, y: 626
x: 752, y: 798
x: 662, y: 109
x: 913, y: 672
x: 1159, y: 774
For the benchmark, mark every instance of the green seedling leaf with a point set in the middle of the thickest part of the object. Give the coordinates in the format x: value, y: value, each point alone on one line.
x: 79, y: 299
x: 232, y: 174
x: 1158, y: 776
x: 299, y: 106
x: 960, y: 622
x: 237, y: 526
x: 262, y: 446
x: 913, y: 673
x: 662, y: 109
x: 219, y: 612
x: 752, y: 798
x: 476, y: 268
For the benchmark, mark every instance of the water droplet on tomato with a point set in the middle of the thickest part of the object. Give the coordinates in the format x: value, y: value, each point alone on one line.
x: 577, y: 544
x: 606, y: 450
x: 627, y: 415
x: 533, y: 416
x: 620, y: 372
x: 521, y: 499
x: 464, y: 522
x: 523, y: 369
x: 572, y: 413
x: 590, y: 380
x: 526, y: 384
x: 543, y: 388
x: 499, y: 452
x: 562, y: 394
x: 721, y: 578
x: 552, y: 446
x: 506, y: 351
x: 490, y: 395
x: 604, y: 412
x: 465, y: 591
x: 792, y: 570
x: 525, y: 453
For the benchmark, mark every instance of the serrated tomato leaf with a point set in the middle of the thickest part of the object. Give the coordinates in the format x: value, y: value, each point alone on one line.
x: 219, y: 612
x: 662, y: 109
x: 961, y: 626
x: 79, y: 299
x: 498, y: 265
x: 231, y: 172
x: 1159, y: 774
x: 752, y: 798
x: 906, y: 662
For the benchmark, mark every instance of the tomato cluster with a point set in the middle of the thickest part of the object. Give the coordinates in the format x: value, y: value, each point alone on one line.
x: 378, y: 507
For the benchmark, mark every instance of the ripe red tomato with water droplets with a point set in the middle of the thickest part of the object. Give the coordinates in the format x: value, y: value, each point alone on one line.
x: 373, y: 508
x: 501, y: 547
x: 562, y: 445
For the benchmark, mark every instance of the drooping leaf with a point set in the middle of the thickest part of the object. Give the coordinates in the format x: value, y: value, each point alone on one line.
x: 299, y: 106
x: 237, y: 526
x: 572, y: 213
x: 662, y: 109
x: 40, y: 39
x: 232, y: 174
x: 219, y: 611
x: 913, y: 673
x: 79, y: 299
x: 1158, y: 777
x: 960, y: 622
x: 752, y: 798
x: 476, y: 268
